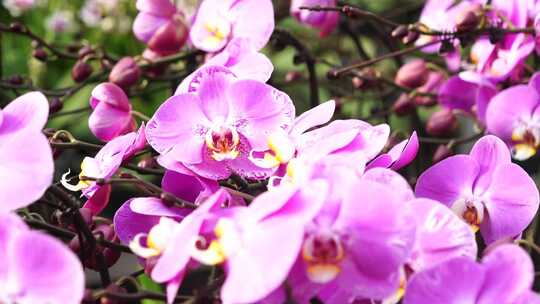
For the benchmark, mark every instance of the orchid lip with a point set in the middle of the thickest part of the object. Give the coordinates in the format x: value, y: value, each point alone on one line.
x: 470, y: 210
x: 323, y: 254
x: 217, y: 250
x: 223, y: 143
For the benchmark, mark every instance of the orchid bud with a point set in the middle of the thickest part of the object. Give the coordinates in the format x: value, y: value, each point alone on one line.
x: 292, y: 76
x: 113, y: 288
x: 403, y: 105
x: 16, y: 79
x: 411, y: 37
x: 358, y: 82
x: 81, y: 71
x: 400, y: 32
x: 170, y: 37
x: 85, y: 50
x: 412, y: 75
x: 442, y: 152
x: 441, y: 123
x: 40, y: 54
x: 148, y: 163
x: 55, y: 105
x: 16, y: 27
x: 125, y: 73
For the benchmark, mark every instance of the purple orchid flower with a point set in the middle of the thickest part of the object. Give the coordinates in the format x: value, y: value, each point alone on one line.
x: 104, y: 165
x: 334, y: 265
x: 24, y: 152
x: 219, y: 21
x: 304, y: 141
x: 505, y: 275
x: 440, y: 235
x: 471, y: 95
x: 325, y: 21
x: 212, y: 129
x: 26, y: 277
x: 112, y: 112
x: 241, y: 59
x: 517, y: 123
x: 484, y: 188
x: 160, y: 25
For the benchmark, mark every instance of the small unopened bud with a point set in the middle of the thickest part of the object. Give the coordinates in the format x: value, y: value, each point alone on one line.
x: 400, y: 32
x: 403, y: 105
x: 40, y: 54
x: 148, y: 163
x: 442, y: 152
x: 88, y: 297
x: 125, y: 73
x: 358, y: 82
x: 332, y: 75
x: 16, y: 27
x: 16, y: 79
x: 113, y: 288
x: 467, y: 20
x: 411, y: 37
x: 81, y: 71
x: 85, y: 50
x: 55, y: 105
x: 412, y: 75
x: 441, y: 123
x: 292, y: 76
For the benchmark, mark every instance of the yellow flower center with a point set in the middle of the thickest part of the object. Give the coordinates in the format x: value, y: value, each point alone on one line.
x: 323, y: 254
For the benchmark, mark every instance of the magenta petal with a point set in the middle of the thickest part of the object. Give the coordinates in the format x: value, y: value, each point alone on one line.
x: 99, y: 200
x: 440, y: 235
x: 273, y: 242
x: 26, y: 169
x: 458, y: 94
x: 503, y: 112
x: 389, y: 244
x: 489, y: 152
x: 391, y: 179
x: 210, y: 83
x: 127, y: 224
x: 453, y: 282
x: 152, y: 206
x: 188, y: 187
x: 511, y: 202
x: 509, y: 274
x: 29, y: 111
x: 317, y: 116
x: 254, y: 19
x: 405, y: 152
x: 448, y: 180
x: 259, y: 110
x: 58, y: 278
x: 179, y: 125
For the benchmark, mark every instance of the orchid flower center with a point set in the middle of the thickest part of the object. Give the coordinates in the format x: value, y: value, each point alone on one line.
x: 89, y: 168
x: 223, y: 142
x: 219, y: 29
x: 216, y: 251
x: 526, y: 140
x: 156, y: 240
x: 323, y: 254
x: 471, y: 211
